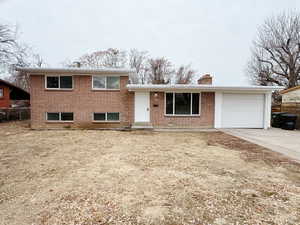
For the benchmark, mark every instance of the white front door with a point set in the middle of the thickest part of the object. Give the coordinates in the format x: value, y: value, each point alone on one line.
x: 142, y: 107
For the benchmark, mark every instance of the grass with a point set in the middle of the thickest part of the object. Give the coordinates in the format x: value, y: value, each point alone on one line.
x: 111, y: 177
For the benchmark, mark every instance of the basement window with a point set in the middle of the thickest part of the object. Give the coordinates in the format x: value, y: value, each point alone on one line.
x: 182, y: 104
x: 60, y: 116
x: 107, y: 117
x: 106, y: 82
x: 59, y: 82
x: 66, y: 116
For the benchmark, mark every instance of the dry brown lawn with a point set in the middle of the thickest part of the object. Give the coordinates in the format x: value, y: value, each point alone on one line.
x: 90, y: 177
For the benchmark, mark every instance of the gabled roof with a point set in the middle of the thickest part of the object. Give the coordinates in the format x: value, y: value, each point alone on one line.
x: 12, y: 86
x: 75, y: 71
x: 290, y: 89
x: 206, y: 87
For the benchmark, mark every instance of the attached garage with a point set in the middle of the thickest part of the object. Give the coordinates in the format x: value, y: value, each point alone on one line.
x: 243, y: 110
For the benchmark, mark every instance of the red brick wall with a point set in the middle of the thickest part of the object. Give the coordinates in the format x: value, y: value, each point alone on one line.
x: 82, y: 100
x: 205, y: 120
x: 4, y: 101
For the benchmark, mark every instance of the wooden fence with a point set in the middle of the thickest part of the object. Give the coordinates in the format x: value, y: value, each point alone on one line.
x: 276, y: 108
x: 15, y: 114
x: 292, y: 107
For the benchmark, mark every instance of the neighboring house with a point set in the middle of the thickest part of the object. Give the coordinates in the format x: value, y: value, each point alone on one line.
x: 11, y: 95
x: 291, y: 102
x: 291, y: 95
x: 103, y: 98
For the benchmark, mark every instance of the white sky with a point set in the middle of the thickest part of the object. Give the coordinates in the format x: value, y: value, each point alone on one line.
x: 215, y: 36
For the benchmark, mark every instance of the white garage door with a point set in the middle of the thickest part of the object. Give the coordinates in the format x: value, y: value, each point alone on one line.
x: 243, y: 111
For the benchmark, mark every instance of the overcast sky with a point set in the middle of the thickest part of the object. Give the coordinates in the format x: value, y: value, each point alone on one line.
x: 215, y: 36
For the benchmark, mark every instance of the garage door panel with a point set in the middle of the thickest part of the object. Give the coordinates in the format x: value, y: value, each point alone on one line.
x: 243, y: 111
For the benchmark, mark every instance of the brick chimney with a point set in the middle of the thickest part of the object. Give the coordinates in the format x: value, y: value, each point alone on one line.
x: 205, y: 79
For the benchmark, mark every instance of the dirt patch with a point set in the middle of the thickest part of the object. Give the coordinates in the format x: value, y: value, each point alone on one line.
x: 250, y: 151
x: 14, y: 127
x: 111, y: 177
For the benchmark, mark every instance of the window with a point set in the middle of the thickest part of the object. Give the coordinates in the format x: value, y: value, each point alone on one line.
x: 99, y: 82
x: 52, y: 82
x: 169, y: 103
x: 113, y: 82
x: 59, y: 82
x: 100, y: 116
x: 106, y: 82
x: 66, y: 82
x: 60, y: 116
x: 182, y: 104
x: 66, y: 116
x: 109, y: 116
x: 112, y: 116
x: 1, y: 92
x: 53, y: 116
x: 195, y: 103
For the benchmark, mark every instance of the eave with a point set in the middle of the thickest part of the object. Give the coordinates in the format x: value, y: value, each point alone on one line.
x: 75, y: 71
x: 201, y: 87
x: 290, y: 89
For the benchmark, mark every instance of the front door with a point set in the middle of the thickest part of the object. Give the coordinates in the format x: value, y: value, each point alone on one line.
x: 142, y: 107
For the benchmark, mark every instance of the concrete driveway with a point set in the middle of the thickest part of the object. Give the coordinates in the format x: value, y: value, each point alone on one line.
x: 282, y: 141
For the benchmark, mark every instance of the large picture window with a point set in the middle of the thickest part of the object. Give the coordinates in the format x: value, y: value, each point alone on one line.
x: 59, y: 82
x: 106, y: 82
x: 60, y: 116
x: 182, y: 104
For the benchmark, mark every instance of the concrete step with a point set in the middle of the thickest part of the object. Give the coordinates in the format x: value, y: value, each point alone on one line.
x: 142, y: 125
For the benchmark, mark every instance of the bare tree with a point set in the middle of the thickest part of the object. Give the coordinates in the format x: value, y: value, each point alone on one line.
x: 7, y: 43
x: 184, y: 75
x: 24, y: 57
x: 276, y: 52
x: 148, y: 70
x: 13, y: 53
x: 38, y: 61
x: 138, y: 60
x: 113, y: 58
x: 160, y: 70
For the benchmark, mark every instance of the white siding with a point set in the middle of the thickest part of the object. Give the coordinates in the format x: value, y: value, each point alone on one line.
x: 292, y: 96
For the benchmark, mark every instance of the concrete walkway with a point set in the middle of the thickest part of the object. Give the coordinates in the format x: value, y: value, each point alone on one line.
x: 282, y: 141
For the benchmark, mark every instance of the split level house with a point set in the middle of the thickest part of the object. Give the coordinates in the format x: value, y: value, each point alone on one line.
x: 104, y: 98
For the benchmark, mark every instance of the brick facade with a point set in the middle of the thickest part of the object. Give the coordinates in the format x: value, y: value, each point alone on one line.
x: 5, y: 100
x: 159, y: 120
x: 83, y: 102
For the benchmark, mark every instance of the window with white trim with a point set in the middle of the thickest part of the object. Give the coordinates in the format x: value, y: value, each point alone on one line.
x: 107, y: 116
x: 59, y: 82
x: 106, y: 82
x: 60, y: 116
x: 1, y: 92
x: 184, y: 104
